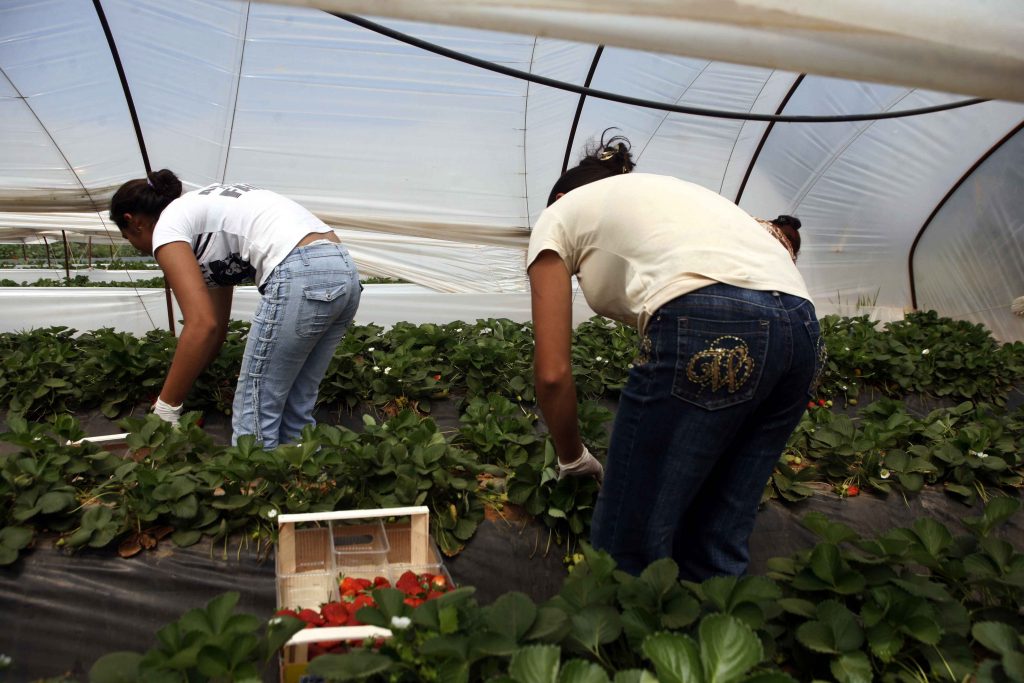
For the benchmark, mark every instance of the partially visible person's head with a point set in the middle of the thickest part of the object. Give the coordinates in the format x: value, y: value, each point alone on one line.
x: 789, y: 225
x: 146, y: 197
x: 602, y: 159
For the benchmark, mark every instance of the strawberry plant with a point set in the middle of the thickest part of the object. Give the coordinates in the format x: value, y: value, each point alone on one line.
x: 910, y: 604
x: 37, y: 371
x: 206, y: 644
x: 602, y: 353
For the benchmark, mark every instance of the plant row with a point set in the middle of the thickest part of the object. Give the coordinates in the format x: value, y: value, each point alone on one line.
x: 913, y: 604
x: 179, y: 482
x: 138, y: 283
x: 84, y: 281
x: 969, y: 450
x: 49, y: 370
x: 176, y: 483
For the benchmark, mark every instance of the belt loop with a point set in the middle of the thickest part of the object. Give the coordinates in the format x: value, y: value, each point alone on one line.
x: 304, y: 256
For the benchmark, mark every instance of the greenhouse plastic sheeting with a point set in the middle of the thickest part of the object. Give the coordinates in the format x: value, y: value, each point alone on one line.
x: 434, y: 171
x: 988, y: 258
x: 137, y: 311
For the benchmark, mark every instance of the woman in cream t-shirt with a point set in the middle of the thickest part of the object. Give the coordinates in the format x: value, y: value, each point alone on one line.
x: 730, y: 350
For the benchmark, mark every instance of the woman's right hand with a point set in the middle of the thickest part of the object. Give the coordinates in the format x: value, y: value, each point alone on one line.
x: 584, y: 466
x: 166, y: 412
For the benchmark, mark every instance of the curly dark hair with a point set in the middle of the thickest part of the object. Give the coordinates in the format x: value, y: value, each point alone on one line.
x: 601, y: 159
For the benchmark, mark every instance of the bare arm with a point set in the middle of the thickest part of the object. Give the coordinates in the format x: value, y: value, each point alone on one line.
x: 551, y: 296
x: 206, y: 314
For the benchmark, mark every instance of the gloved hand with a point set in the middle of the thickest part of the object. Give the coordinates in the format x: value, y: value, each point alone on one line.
x: 166, y: 411
x: 583, y: 466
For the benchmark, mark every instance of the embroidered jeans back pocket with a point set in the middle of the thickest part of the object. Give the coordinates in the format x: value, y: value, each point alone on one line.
x: 319, y: 307
x: 720, y: 362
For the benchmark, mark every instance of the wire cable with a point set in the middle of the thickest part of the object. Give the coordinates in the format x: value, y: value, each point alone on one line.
x: 635, y: 101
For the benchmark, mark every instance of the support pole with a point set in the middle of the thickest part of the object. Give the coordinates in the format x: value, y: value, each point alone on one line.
x: 170, y: 308
x: 89, y: 252
x: 47, y: 245
x: 24, y: 253
x: 67, y: 256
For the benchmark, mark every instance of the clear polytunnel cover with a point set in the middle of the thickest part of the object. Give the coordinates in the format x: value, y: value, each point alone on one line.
x: 432, y: 170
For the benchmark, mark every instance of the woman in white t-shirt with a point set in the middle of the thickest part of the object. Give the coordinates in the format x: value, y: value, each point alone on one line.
x: 209, y: 240
x: 730, y: 350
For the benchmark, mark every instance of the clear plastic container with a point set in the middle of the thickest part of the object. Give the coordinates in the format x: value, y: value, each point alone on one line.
x: 360, y: 550
x: 309, y: 578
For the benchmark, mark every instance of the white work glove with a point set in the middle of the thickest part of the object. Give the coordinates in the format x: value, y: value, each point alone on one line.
x: 584, y: 466
x: 166, y: 411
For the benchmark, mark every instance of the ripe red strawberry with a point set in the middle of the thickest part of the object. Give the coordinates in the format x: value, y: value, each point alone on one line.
x: 413, y: 602
x: 350, y: 587
x: 381, y: 582
x: 311, y: 617
x: 335, y: 614
x: 353, y: 608
x: 853, y: 491
x: 409, y: 583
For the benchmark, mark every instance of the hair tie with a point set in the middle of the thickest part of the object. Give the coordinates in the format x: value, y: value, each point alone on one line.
x: 150, y: 183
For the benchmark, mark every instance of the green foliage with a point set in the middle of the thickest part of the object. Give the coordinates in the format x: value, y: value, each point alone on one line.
x: 206, y: 644
x: 923, y: 353
x: 84, y: 281
x: 924, y: 610
x: 177, y: 477
x: 972, y: 450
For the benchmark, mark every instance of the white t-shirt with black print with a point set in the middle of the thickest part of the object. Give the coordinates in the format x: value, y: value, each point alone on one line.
x: 239, y: 233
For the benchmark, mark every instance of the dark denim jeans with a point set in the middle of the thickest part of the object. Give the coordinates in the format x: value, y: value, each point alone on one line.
x: 723, y: 378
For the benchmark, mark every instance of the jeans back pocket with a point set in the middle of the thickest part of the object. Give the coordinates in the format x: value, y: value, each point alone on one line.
x: 319, y: 307
x: 720, y: 362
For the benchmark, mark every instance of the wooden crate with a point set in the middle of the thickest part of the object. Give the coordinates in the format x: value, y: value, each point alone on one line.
x: 315, y: 549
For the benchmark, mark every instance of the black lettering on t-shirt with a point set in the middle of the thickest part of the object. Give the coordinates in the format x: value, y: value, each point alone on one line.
x: 235, y: 190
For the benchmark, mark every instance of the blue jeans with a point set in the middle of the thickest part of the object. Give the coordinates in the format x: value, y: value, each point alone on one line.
x: 724, y: 376
x: 308, y: 303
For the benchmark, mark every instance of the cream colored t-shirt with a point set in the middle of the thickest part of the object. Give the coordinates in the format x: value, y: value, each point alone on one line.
x: 637, y: 241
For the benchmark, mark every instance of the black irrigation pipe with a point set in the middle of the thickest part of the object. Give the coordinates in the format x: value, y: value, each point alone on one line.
x: 949, y: 195
x: 579, y: 107
x: 649, y: 104
x: 124, y: 83
x: 138, y: 132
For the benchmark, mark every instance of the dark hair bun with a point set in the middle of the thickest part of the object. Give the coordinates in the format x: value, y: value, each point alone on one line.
x: 612, y: 153
x: 165, y: 183
x: 791, y: 221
